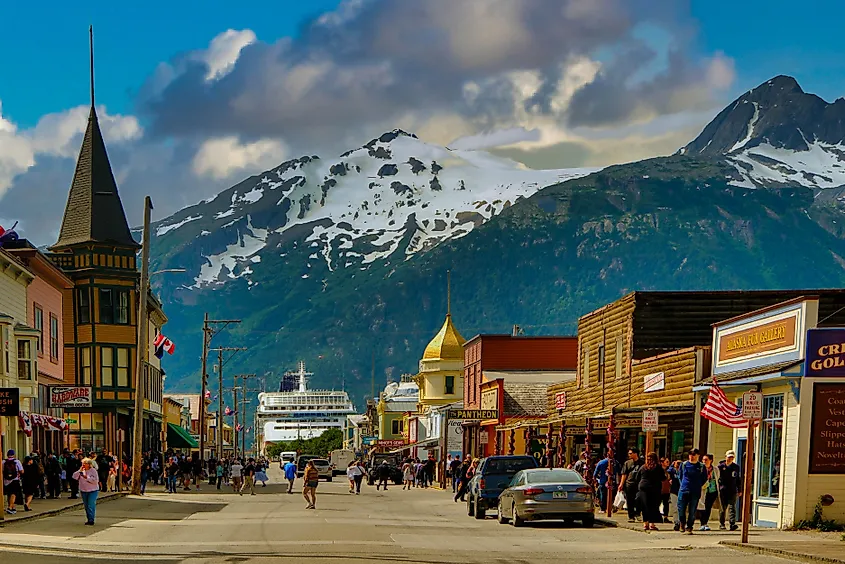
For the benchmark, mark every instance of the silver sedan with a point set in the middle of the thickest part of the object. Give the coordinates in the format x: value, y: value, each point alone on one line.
x: 543, y: 493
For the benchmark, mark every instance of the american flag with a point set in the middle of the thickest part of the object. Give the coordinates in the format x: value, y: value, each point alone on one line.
x: 719, y: 409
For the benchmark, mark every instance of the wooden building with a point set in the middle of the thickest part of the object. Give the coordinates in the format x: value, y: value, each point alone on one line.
x: 96, y: 250
x: 646, y: 350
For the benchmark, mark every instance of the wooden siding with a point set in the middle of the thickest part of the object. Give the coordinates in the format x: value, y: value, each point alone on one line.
x: 679, y: 369
x: 85, y: 334
x: 69, y: 365
x: 116, y: 334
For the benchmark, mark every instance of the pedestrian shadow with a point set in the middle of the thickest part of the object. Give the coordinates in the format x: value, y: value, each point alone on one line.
x: 71, y: 523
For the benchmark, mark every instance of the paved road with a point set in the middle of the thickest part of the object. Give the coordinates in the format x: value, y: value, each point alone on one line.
x: 417, y: 526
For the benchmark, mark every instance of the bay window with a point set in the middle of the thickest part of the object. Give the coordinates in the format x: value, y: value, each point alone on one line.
x: 25, y: 361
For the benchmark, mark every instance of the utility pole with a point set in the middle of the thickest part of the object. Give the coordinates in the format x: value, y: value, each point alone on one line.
x: 204, y: 377
x: 141, y: 353
x: 220, y: 389
x: 235, y: 428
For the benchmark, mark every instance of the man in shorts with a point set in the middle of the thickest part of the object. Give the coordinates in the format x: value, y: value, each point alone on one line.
x: 12, y: 470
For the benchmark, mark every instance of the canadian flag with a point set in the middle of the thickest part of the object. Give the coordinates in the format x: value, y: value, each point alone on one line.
x: 228, y: 411
x: 162, y: 344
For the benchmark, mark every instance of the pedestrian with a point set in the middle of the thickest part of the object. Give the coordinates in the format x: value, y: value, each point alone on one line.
x: 290, y: 474
x: 730, y: 487
x: 466, y: 470
x: 173, y: 472
x: 454, y: 465
x: 261, y: 473
x: 249, y: 477
x: 74, y: 463
x: 197, y: 470
x: 63, y: 475
x: 674, y: 473
x: 218, y: 473
x: 351, y: 471
x: 311, y: 480
x: 359, y: 476
x: 581, y: 465
x: 236, y: 472
x: 430, y: 469
x: 89, y: 482
x: 651, y: 477
x: 29, y: 482
x: 53, y: 470
x: 185, y: 472
x: 602, y: 479
x: 146, y: 470
x: 692, y: 477
x: 710, y: 491
x: 12, y: 472
x: 666, y: 491
x: 111, y: 481
x: 383, y: 474
x: 629, y: 484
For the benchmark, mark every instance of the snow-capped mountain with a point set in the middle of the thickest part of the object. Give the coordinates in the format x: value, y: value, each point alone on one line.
x: 392, y: 198
x: 778, y: 135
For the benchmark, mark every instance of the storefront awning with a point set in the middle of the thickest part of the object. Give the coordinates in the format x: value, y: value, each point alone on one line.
x: 177, y: 437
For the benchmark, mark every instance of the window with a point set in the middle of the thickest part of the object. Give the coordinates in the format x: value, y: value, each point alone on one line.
x: 107, y: 366
x: 114, y: 306
x: 619, y: 344
x: 39, y: 325
x: 85, y: 366
x: 450, y: 386
x: 396, y: 427
x: 83, y: 305
x: 123, y: 368
x: 601, y: 363
x: 585, y: 370
x: 24, y: 359
x: 771, y: 437
x: 54, y: 338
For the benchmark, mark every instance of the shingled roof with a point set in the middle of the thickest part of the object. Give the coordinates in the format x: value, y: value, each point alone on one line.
x: 94, y: 212
x: 525, y: 399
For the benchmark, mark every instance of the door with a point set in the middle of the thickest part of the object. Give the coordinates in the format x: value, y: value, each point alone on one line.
x: 741, y: 450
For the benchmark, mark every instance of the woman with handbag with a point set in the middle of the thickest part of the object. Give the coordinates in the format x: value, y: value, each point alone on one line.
x: 710, y: 491
x: 309, y: 490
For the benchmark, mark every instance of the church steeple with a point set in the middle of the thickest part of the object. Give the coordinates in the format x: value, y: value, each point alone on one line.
x: 94, y: 212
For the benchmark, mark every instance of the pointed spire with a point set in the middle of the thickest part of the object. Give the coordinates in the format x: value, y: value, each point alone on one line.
x: 91, y: 55
x: 94, y: 212
x: 449, y: 292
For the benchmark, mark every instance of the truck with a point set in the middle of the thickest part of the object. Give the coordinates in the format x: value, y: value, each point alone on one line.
x: 288, y: 456
x: 340, y: 459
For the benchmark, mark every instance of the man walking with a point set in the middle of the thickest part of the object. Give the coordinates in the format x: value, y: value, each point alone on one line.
x: 290, y: 474
x: 12, y: 470
x: 454, y: 467
x: 630, y: 482
x: 692, y: 477
x: 235, y: 471
x: 74, y: 463
x: 601, y: 477
x: 730, y: 487
x: 249, y: 477
x: 383, y: 473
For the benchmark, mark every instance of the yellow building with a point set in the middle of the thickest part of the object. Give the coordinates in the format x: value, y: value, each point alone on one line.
x: 441, y: 369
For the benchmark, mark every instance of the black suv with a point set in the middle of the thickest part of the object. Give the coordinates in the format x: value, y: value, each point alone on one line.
x: 393, y: 462
x: 492, y: 476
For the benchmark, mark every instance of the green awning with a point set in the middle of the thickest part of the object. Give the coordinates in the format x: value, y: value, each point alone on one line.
x: 177, y: 437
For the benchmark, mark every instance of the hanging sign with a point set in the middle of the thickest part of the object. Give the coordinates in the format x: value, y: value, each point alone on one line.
x: 70, y: 396
x: 752, y: 405
x: 651, y: 422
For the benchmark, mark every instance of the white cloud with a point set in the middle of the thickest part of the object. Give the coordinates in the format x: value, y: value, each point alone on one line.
x: 220, y: 157
x: 223, y: 52
x: 499, y: 138
x: 57, y: 135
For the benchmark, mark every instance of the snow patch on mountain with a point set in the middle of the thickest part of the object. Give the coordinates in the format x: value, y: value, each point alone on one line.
x: 822, y: 166
x: 396, y: 195
x: 162, y: 229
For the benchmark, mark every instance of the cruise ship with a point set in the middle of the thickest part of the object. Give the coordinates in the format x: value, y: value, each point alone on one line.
x: 288, y: 415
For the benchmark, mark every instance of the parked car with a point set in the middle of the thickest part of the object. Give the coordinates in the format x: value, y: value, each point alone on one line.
x: 543, y: 493
x: 324, y: 468
x: 492, y: 476
x: 301, y: 461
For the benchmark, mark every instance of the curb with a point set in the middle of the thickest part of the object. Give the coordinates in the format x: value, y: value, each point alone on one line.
x: 757, y: 549
x: 59, y: 511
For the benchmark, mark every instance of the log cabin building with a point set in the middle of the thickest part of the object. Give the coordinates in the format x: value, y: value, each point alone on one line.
x: 646, y: 351
x: 96, y: 251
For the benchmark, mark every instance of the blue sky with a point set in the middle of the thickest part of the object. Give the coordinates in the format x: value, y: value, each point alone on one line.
x: 195, y: 96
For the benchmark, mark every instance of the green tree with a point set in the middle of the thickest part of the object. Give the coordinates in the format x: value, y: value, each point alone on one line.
x: 322, y: 445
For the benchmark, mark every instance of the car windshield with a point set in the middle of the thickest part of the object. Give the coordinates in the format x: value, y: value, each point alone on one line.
x: 320, y: 461
x: 553, y: 477
x: 508, y: 465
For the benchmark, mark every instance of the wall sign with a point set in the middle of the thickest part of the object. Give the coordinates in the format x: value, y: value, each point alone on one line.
x: 391, y: 442
x: 827, y: 444
x: 759, y: 339
x: 825, y: 353
x: 10, y: 404
x: 70, y: 396
x: 490, y: 399
x: 654, y: 382
x: 483, y: 437
x: 651, y: 421
x: 454, y: 438
x: 473, y: 414
x: 560, y: 401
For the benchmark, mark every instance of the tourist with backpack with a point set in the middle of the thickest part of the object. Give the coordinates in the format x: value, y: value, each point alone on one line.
x: 12, y: 472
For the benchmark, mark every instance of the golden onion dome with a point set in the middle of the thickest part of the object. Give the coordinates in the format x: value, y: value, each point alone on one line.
x: 448, y: 344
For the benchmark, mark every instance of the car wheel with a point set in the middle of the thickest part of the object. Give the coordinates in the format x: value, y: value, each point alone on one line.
x: 470, y: 507
x: 517, y: 521
x: 480, y: 510
x: 329, y: 479
x: 588, y: 521
x: 501, y: 516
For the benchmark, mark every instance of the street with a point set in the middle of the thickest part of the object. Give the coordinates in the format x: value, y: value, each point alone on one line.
x: 393, y: 526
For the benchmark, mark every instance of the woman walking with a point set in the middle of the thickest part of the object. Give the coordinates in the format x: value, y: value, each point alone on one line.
x: 408, y: 475
x: 309, y: 490
x: 29, y: 480
x: 261, y: 473
x: 89, y: 487
x: 649, y: 488
x: 710, y: 491
x: 351, y: 472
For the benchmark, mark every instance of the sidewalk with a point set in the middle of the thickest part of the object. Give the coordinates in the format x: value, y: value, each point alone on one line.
x: 808, y: 547
x: 48, y: 507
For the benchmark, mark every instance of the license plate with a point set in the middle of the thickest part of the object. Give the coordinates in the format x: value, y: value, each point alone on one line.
x: 559, y: 495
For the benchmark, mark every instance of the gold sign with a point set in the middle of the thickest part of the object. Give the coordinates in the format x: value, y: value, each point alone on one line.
x: 764, y: 338
x: 490, y: 399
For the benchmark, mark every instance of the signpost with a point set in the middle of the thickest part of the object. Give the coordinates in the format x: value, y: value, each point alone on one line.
x: 651, y: 424
x: 752, y: 410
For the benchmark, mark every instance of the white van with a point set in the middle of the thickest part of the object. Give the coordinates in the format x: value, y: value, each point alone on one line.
x: 288, y: 456
x: 340, y: 459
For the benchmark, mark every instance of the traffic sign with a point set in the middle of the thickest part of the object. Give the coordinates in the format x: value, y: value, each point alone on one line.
x: 752, y: 405
x: 651, y: 421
